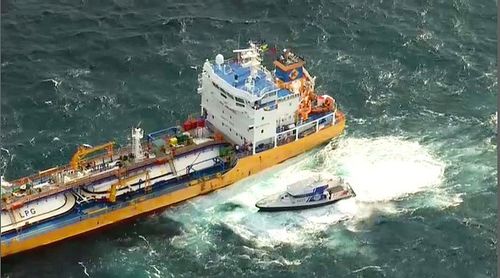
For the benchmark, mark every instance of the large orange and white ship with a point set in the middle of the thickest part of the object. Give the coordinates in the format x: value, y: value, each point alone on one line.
x: 251, y: 119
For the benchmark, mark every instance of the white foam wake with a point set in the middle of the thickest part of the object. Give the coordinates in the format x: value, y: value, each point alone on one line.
x: 380, y: 170
x: 385, y: 168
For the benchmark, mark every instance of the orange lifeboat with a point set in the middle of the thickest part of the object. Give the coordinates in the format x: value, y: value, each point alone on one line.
x: 325, y: 103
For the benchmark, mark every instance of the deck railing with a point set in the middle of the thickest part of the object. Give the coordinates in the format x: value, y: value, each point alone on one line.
x: 300, y: 131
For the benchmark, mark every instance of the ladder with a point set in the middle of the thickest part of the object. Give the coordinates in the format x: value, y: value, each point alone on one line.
x: 171, y: 162
x: 147, y: 183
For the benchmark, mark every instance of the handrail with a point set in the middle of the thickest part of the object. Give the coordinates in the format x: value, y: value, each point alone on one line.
x: 306, y: 124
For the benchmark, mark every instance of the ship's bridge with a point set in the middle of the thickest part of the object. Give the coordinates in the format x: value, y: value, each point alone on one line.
x: 236, y: 75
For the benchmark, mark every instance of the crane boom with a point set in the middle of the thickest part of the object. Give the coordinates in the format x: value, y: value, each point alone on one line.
x: 83, y: 151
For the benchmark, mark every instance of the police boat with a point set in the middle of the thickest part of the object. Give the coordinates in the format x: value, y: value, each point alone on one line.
x: 308, y: 193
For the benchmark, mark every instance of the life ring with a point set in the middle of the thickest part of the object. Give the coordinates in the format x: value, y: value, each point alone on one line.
x: 293, y: 74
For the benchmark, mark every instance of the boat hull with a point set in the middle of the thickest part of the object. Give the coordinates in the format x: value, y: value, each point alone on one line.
x: 245, y: 167
x: 299, y: 207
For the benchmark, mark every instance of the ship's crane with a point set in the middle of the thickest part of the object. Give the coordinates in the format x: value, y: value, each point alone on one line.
x: 76, y: 160
x: 125, y: 181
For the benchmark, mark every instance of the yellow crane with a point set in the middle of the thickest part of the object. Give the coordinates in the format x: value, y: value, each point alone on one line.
x: 77, y: 159
x: 122, y: 182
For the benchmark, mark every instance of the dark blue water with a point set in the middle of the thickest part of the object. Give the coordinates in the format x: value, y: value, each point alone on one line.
x: 416, y: 79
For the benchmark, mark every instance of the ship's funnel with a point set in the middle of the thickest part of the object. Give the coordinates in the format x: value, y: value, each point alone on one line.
x: 289, y: 67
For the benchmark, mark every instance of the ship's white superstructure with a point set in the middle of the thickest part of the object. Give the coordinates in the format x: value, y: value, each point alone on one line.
x: 243, y: 100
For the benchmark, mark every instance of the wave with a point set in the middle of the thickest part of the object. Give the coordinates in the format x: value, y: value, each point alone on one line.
x: 381, y: 171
